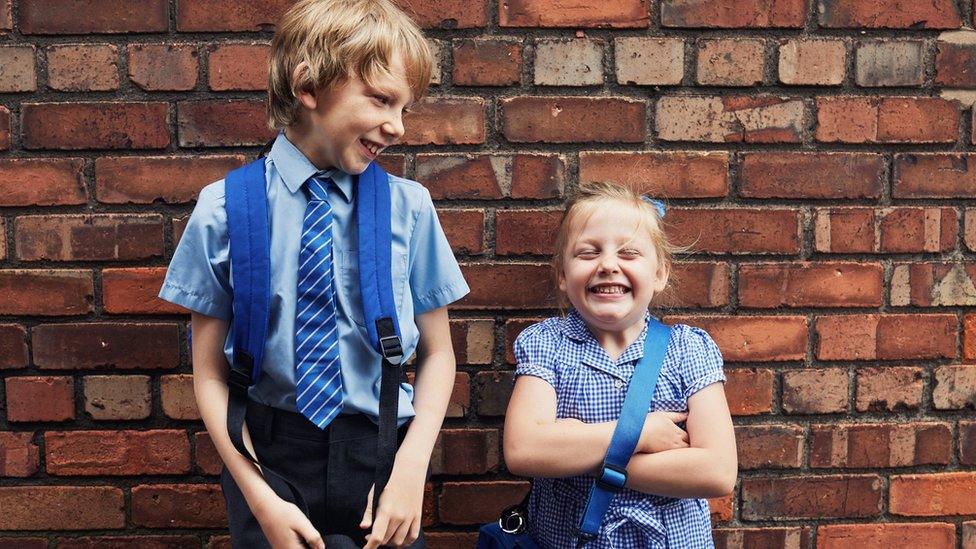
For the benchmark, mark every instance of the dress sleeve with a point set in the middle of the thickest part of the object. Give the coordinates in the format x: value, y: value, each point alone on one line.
x: 535, y: 349
x: 701, y: 362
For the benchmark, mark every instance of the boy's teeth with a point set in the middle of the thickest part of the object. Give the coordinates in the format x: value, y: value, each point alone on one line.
x: 371, y: 147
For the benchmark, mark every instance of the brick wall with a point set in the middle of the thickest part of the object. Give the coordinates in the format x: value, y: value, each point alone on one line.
x: 815, y: 154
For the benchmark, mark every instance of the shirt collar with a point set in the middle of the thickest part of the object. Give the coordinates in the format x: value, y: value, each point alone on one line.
x: 574, y: 327
x: 296, y: 169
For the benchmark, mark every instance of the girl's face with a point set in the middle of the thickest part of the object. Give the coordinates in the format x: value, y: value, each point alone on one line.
x: 610, y: 268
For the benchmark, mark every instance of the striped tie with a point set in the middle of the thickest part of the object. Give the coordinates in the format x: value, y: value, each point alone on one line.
x: 319, y: 387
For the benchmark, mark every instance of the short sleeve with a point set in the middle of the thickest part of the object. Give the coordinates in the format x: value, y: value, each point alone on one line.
x: 435, y: 277
x: 701, y: 362
x: 198, y: 277
x: 534, y: 350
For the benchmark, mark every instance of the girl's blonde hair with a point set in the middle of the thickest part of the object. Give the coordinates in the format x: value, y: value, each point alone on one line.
x: 337, y: 39
x: 582, y: 205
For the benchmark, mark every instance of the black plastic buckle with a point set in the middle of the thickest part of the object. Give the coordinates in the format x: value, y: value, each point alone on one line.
x: 613, y: 478
x: 582, y: 538
x: 513, y: 520
x: 392, y: 349
x: 239, y: 377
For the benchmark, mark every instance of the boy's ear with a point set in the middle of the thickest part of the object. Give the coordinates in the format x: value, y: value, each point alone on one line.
x: 301, y: 88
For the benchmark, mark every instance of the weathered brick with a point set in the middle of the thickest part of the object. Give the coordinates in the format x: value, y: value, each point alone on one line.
x: 178, y: 506
x: 143, y: 541
x: 19, y: 456
x: 812, y: 62
x: 445, y: 121
x: 464, y: 176
x: 4, y: 128
x: 912, y: 230
x: 574, y: 62
x: 98, y: 125
x: 621, y: 14
x: 451, y: 540
x: 660, y: 173
x: 117, y: 397
x: 890, y: 63
x: 466, y: 452
x: 812, y: 175
x: 931, y: 535
x: 88, y: 237
x: 163, y: 67
x: 955, y: 60
x: 13, y: 346
x: 46, y: 292
x: 222, y: 123
x: 889, y: 14
x: 735, y: 231
x: 447, y: 14
x: 721, y: 508
x: 477, y: 502
x: 730, y: 62
x: 933, y: 284
x: 747, y: 538
x: 749, y: 391
x: 176, y: 394
x: 704, y: 285
x: 809, y: 284
x: 967, y: 442
x: 833, y: 496
x: 6, y: 15
x: 17, y: 69
x: 134, y: 291
x: 92, y: 16
x: 649, y: 61
x: 969, y: 337
x: 887, y: 337
x: 844, y: 230
x: 969, y: 535
x: 83, y: 67
x: 880, y: 445
x: 145, y: 179
x: 754, y: 338
x: 508, y: 285
x: 487, y: 62
x: 954, y: 387
x: 61, y: 508
x: 493, y: 392
x: 887, y: 120
x: 538, y: 176
x: 716, y: 119
x: 815, y: 391
x: 106, y: 345
x: 239, y: 67
x: 465, y: 230
x: 205, y: 454
x: 939, y: 494
x: 889, y: 389
x: 473, y: 341
x: 572, y: 119
x: 934, y: 175
x: 42, y: 181
x: 512, y: 226
x: 769, y: 446
x: 33, y: 398
x: 228, y: 15
x: 733, y: 13
x: 117, y: 453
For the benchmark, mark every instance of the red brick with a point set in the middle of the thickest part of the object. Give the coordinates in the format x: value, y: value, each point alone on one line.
x: 889, y: 389
x: 163, y: 67
x: 569, y: 62
x: 222, y: 123
x: 101, y: 125
x: 934, y: 175
x: 205, y: 454
x: 117, y: 453
x: 887, y: 120
x: 447, y: 14
x: 749, y: 391
x: 880, y: 445
x: 909, y: 230
x: 954, y: 387
x: 672, y: 174
x: 176, y: 394
x: 83, y: 67
x: 844, y: 230
x: 47, y: 292
x: 754, y: 338
x: 42, y: 181
x: 809, y: 62
x: 513, y: 227
x: 487, y: 62
x: 761, y: 538
x: 464, y: 176
x: 930, y: 536
x: 940, y: 494
x: 228, y: 15
x: 721, y: 508
x: 730, y: 62
x: 538, y: 176
x: 649, y: 61
x: 887, y: 337
x: 473, y: 340
x: 621, y: 14
x: 92, y: 16
x: 19, y: 73
x: 733, y: 13
x: 31, y: 398
x: 969, y: 535
x: 6, y: 15
x: 493, y: 392
x: 4, y: 128
x: 445, y: 121
x: 13, y: 346
x: 704, y: 285
x: 61, y: 508
x: 954, y: 64
x: 967, y: 442
x: 117, y: 397
x: 134, y: 291
x: 106, y: 345
x: 124, y: 542
x: 239, y: 67
x: 889, y: 14
x: 178, y: 506
x: 88, y: 237
x: 808, y: 284
x: 466, y: 452
x: 812, y: 175
x: 449, y: 540
x: 769, y: 446
x: 933, y: 284
x: 834, y: 496
x: 890, y: 63
x: 508, y: 285
x: 735, y: 231
x: 145, y: 179
x: 572, y: 119
x: 19, y: 456
x: 815, y: 391
x: 465, y: 230
x: 722, y: 119
x: 477, y: 502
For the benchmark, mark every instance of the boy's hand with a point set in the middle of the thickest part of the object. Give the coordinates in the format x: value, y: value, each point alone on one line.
x: 661, y: 433
x: 286, y: 527
x: 398, y: 515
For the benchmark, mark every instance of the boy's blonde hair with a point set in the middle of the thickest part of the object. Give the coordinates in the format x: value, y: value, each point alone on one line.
x: 338, y: 39
x: 582, y: 205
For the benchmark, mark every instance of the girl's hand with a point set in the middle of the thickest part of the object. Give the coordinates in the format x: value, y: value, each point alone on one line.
x: 286, y: 527
x: 398, y: 515
x: 661, y: 433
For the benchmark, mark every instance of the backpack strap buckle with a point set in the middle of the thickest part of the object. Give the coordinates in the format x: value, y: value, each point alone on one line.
x: 392, y: 349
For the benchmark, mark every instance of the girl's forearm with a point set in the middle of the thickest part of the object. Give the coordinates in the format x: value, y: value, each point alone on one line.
x: 562, y: 448
x: 681, y: 473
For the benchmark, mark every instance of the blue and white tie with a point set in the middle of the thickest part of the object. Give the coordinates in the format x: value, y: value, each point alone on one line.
x: 319, y: 386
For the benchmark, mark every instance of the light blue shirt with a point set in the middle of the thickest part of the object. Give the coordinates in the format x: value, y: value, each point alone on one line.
x: 425, y: 276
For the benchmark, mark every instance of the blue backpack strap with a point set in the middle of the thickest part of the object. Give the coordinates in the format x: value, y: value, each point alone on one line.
x: 640, y: 393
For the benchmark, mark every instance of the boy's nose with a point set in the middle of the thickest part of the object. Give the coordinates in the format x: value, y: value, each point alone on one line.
x: 394, y: 127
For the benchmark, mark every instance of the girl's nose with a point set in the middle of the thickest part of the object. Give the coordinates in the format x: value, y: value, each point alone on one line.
x: 608, y: 265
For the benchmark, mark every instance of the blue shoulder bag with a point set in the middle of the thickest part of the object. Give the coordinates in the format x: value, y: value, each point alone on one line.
x: 509, y: 531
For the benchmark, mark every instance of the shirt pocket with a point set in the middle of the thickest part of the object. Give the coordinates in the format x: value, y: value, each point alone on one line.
x: 348, y: 289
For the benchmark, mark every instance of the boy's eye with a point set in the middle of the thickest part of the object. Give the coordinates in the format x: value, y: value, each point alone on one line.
x: 384, y: 100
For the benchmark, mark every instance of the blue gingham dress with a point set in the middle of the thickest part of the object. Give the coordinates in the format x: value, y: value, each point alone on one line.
x: 591, y: 387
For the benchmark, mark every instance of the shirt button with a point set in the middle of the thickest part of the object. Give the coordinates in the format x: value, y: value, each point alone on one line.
x: 618, y: 384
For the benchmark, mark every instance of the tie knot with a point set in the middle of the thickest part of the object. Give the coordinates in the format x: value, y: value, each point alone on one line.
x: 318, y: 188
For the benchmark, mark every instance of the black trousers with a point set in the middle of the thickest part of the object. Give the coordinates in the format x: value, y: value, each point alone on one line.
x: 332, y: 468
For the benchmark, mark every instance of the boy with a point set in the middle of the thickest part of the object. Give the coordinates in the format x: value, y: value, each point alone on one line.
x: 342, y: 74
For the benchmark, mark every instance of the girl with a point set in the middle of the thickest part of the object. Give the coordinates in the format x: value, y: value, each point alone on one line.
x: 611, y: 259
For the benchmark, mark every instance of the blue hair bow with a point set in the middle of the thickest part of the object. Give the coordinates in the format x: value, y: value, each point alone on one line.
x: 658, y: 205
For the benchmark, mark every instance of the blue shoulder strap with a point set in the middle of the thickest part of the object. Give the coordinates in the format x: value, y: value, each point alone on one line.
x: 640, y: 393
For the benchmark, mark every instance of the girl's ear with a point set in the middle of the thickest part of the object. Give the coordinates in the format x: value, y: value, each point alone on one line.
x: 301, y: 88
x: 661, y: 278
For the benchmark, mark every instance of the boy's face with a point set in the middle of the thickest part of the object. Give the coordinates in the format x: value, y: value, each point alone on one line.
x: 347, y: 126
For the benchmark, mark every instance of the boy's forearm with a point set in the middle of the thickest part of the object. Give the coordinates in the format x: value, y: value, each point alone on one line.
x: 432, y: 394
x: 681, y: 473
